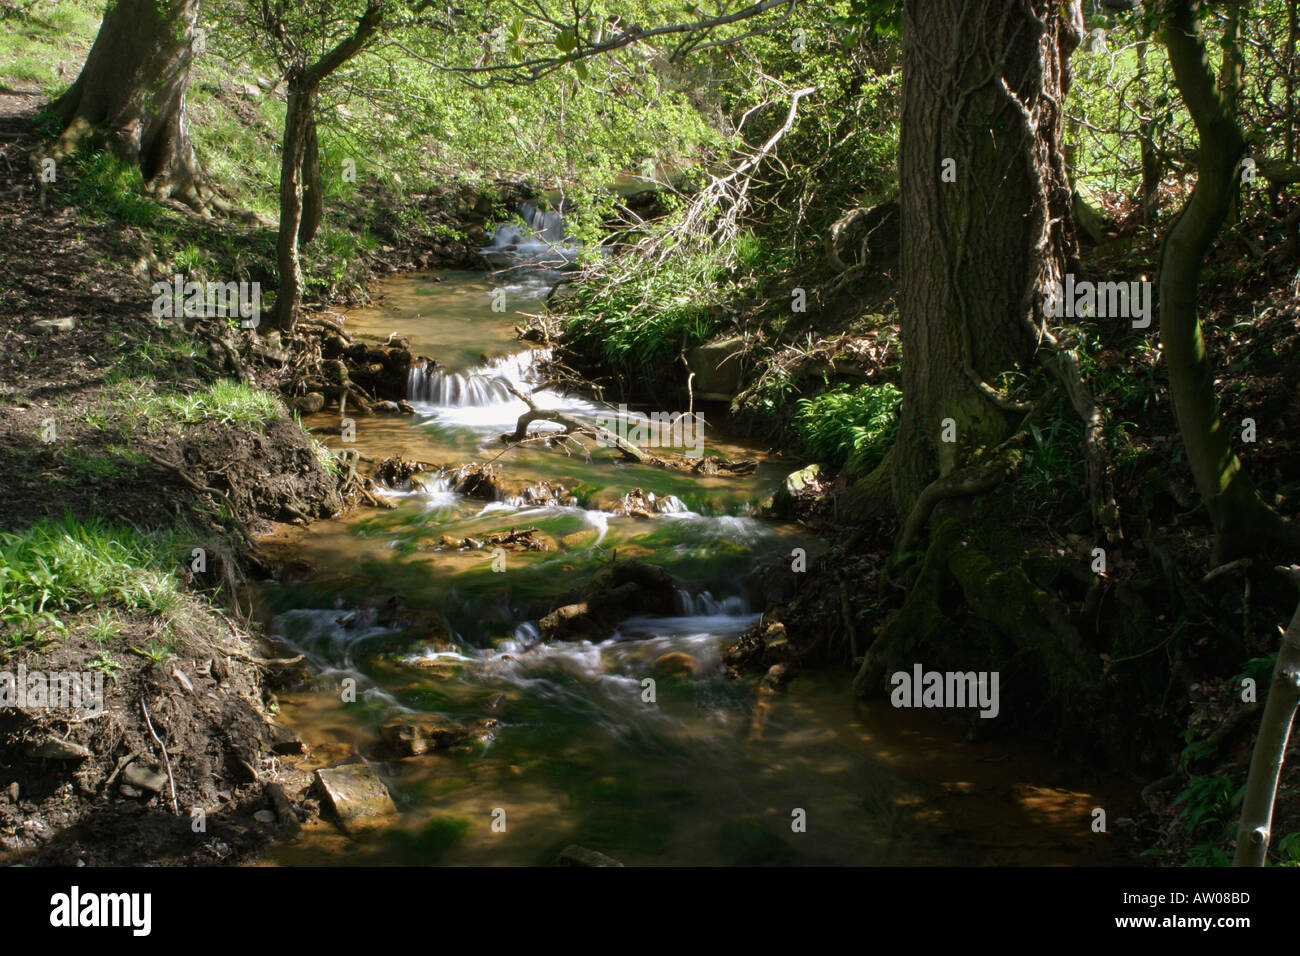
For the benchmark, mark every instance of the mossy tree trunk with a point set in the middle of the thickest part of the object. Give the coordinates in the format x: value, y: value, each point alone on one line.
x: 132, y: 89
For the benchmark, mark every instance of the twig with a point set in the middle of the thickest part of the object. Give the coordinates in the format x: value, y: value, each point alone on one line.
x: 171, y: 780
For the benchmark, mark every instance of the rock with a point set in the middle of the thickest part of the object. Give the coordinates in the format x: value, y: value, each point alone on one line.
x: 410, y: 735
x: 13, y: 792
x: 617, y: 591
x: 127, y: 790
x: 775, y: 636
x: 717, y: 368
x: 288, y: 820
x: 574, y: 855
x: 311, y: 403
x: 674, y: 664
x: 796, y: 483
x: 386, y: 408
x: 356, y: 796
x: 569, y: 622
x: 56, y: 748
x: 264, y: 816
x: 285, y: 743
x: 802, y: 480
x: 138, y: 775
x: 66, y: 324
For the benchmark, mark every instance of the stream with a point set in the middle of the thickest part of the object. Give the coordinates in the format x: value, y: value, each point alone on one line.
x: 577, y: 755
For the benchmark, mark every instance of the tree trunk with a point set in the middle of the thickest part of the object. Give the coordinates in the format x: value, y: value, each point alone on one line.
x: 313, y: 193
x: 300, y: 165
x: 1255, y: 830
x: 1151, y: 165
x: 1237, y: 514
x: 298, y: 125
x: 982, y: 80
x: 133, y: 87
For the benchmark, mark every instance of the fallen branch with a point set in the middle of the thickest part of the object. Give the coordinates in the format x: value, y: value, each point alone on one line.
x: 571, y: 426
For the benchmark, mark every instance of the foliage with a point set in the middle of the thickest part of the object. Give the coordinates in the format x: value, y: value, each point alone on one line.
x: 852, y: 427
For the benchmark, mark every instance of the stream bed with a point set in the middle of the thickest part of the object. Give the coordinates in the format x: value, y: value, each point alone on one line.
x: 575, y: 753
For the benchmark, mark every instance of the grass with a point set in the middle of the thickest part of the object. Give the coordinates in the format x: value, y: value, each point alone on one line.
x: 222, y: 401
x: 62, y: 566
x: 33, y: 45
x: 108, y: 188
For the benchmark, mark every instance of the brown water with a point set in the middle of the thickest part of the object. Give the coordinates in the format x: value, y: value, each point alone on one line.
x: 699, y: 775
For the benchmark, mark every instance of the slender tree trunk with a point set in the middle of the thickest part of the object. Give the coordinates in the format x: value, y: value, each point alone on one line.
x: 1256, y: 826
x: 132, y: 88
x: 1151, y: 166
x: 300, y: 164
x: 298, y: 125
x: 313, y: 193
x: 1234, y: 506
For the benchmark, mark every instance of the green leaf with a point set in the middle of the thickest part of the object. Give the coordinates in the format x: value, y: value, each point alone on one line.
x: 566, y: 41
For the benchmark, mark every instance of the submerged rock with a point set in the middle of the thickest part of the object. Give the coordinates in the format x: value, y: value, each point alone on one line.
x: 410, y: 735
x: 356, y: 796
x: 575, y: 855
x: 620, y: 590
x: 675, y: 664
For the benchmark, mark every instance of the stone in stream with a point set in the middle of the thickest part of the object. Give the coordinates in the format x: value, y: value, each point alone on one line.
x: 796, y: 484
x: 410, y: 735
x: 574, y: 855
x: 356, y: 796
x: 674, y: 664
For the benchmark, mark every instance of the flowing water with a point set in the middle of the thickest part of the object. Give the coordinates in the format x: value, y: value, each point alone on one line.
x: 699, y: 775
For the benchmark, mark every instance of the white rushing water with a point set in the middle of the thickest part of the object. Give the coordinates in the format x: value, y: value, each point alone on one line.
x: 480, y: 398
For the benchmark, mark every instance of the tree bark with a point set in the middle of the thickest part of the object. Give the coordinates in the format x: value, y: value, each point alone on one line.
x: 132, y: 87
x: 983, y: 83
x: 1255, y: 830
x: 1236, y: 511
x: 299, y: 162
x: 297, y: 123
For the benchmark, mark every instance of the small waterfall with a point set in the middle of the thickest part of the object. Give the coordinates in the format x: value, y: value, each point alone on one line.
x: 670, y: 505
x: 480, y: 387
x: 705, y: 604
x: 542, y: 240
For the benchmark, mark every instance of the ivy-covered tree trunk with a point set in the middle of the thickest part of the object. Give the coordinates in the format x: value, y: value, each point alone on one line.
x: 985, y: 205
x: 132, y: 90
